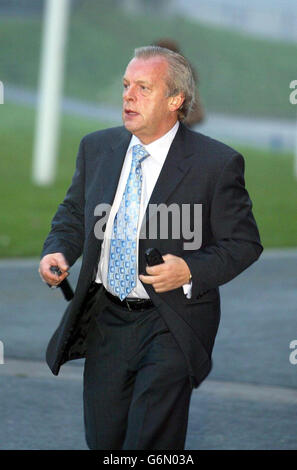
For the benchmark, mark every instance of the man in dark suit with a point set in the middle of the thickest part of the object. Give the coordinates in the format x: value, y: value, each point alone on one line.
x: 147, y: 332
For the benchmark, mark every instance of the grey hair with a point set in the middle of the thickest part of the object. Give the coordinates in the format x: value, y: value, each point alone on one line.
x: 180, y: 77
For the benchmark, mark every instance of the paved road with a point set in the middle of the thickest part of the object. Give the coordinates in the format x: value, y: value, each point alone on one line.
x: 274, y: 134
x: 247, y: 402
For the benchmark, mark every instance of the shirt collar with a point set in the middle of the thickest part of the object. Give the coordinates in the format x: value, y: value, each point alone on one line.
x: 158, y: 149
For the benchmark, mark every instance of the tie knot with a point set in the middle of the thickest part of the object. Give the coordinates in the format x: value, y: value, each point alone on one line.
x: 139, y: 153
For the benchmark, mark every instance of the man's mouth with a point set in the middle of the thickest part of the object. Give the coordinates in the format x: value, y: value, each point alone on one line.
x: 130, y: 113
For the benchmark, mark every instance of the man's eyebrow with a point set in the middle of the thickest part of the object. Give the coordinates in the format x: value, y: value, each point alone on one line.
x: 140, y: 82
x: 144, y: 82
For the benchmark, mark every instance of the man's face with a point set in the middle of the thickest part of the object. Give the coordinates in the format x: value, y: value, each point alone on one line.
x: 147, y: 112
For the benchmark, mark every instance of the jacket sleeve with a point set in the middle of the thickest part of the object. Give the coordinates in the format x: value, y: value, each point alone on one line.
x: 67, y: 227
x: 236, y: 238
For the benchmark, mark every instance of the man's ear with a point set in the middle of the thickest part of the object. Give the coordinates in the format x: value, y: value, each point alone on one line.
x: 175, y: 102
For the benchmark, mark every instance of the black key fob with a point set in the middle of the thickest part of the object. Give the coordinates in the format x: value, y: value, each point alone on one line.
x: 55, y: 270
x: 64, y: 285
x: 153, y: 257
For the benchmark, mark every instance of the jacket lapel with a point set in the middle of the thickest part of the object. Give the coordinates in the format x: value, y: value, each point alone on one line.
x: 175, y: 167
x: 108, y: 172
x: 105, y: 184
x: 110, y: 169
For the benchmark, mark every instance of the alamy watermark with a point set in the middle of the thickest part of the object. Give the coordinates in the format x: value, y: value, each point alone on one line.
x: 1, y: 352
x: 1, y: 92
x: 293, y: 354
x: 293, y: 94
x: 184, y: 222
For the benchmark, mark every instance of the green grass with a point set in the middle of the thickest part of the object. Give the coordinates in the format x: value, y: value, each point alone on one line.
x: 273, y: 190
x: 238, y: 74
x: 26, y: 210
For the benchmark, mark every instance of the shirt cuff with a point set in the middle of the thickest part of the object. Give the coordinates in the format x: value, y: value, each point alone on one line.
x: 188, y: 290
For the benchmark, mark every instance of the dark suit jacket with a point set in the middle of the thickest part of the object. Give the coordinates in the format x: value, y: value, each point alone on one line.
x: 197, y: 170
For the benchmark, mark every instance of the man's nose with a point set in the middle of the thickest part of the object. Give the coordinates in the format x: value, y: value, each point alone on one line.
x: 129, y: 94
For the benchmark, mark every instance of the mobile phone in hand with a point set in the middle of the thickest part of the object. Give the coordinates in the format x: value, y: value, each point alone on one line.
x: 153, y: 257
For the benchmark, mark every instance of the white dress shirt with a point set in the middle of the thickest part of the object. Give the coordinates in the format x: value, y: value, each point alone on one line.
x: 151, y: 168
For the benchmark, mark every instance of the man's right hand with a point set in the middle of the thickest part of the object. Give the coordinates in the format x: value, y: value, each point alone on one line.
x: 53, y: 259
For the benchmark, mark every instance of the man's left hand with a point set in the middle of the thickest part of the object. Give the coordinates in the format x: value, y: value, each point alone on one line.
x: 171, y: 274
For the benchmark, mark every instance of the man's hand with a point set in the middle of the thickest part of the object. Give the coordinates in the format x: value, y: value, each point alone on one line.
x: 171, y: 274
x: 53, y: 259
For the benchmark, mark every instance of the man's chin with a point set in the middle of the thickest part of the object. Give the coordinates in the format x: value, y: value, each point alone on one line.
x: 129, y: 126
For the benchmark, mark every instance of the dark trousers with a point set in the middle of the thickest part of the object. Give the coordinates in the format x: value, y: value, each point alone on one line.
x: 136, y: 386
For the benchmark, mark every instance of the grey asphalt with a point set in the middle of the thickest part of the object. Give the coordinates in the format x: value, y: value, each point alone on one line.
x: 248, y: 401
x: 274, y: 134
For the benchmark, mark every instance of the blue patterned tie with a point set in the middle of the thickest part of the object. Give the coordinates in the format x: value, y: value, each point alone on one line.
x: 122, y: 272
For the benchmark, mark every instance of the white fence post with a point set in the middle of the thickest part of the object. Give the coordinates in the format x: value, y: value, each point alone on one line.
x: 51, y: 79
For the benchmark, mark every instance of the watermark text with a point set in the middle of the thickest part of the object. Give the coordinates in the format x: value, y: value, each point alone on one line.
x: 1, y: 92
x: 293, y: 94
x: 293, y: 354
x: 1, y: 352
x: 164, y: 222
